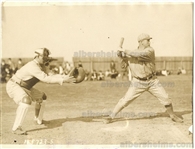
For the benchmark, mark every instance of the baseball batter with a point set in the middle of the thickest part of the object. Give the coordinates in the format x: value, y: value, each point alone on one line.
x: 142, y: 66
x: 20, y: 88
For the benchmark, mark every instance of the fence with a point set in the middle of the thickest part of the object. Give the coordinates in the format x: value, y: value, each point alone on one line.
x: 103, y: 63
x: 168, y: 63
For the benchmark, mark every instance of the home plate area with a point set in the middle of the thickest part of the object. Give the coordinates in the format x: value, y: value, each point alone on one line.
x: 153, y: 131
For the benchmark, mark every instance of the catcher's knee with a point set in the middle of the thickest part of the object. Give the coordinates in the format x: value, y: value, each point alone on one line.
x: 44, y: 97
x: 26, y: 100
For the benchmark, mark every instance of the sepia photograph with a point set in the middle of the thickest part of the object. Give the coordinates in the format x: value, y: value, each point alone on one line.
x: 96, y: 75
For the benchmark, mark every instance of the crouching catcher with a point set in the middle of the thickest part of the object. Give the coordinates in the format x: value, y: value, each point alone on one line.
x: 20, y: 88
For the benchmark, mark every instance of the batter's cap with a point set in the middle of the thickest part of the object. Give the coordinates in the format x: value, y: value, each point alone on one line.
x: 143, y: 36
x: 42, y: 51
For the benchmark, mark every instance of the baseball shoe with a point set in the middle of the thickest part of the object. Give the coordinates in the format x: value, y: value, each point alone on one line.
x: 107, y: 120
x: 19, y: 131
x: 38, y: 122
x: 176, y: 119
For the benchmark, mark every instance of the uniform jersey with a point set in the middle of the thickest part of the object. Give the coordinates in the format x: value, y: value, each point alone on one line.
x: 32, y: 72
x: 142, y: 62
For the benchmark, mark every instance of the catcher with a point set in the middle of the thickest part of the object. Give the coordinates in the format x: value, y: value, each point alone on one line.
x: 20, y: 88
x: 142, y: 65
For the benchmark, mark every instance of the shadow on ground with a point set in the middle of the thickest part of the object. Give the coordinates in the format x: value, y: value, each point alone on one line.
x: 59, y: 122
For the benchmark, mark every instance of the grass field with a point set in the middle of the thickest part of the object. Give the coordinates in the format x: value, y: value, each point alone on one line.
x: 74, y: 115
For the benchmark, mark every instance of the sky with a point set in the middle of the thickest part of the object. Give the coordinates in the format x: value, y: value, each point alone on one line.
x: 68, y: 30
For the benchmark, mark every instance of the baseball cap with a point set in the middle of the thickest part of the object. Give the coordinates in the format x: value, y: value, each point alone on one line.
x: 143, y: 36
x: 42, y: 51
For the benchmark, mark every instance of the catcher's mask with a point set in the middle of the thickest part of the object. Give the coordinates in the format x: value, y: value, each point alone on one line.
x: 44, y: 53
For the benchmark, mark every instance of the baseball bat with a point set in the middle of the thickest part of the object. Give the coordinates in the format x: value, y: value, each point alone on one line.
x: 121, y: 42
x: 123, y: 64
x: 121, y: 46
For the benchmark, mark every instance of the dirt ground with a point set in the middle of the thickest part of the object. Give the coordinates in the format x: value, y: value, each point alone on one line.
x: 74, y: 112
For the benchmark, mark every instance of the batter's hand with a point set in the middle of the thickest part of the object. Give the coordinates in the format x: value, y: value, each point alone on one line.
x: 121, y: 49
x: 69, y: 79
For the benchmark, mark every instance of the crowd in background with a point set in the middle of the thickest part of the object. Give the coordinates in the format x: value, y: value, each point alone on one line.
x: 95, y: 75
x: 8, y: 68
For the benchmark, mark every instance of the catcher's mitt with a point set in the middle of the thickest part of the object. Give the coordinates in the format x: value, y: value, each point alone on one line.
x: 78, y: 74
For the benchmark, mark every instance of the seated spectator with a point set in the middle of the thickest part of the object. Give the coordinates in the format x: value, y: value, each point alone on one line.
x: 114, y: 74
x: 181, y: 71
x: 107, y: 73
x: 163, y: 72
x: 87, y: 75
x: 94, y: 75
x: 100, y: 75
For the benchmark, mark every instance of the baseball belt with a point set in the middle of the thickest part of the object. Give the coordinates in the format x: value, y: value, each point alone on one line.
x: 145, y: 78
x: 20, y: 82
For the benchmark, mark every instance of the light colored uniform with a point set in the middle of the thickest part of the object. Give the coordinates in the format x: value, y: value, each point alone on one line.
x: 28, y: 76
x: 142, y: 66
x: 20, y: 89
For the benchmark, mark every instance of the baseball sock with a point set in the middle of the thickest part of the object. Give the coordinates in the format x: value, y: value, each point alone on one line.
x: 37, y: 109
x: 20, y: 115
x: 40, y: 116
x: 169, y: 109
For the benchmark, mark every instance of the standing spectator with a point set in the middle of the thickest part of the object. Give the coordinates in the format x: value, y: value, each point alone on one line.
x: 61, y: 71
x: 67, y: 68
x: 112, y: 66
x: 4, y: 71
x: 80, y: 64
x: 19, y: 64
x: 11, y: 66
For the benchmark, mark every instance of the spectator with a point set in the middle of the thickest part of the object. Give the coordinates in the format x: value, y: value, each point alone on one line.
x: 61, y: 71
x: 114, y: 74
x: 112, y: 66
x: 11, y: 66
x: 87, y: 75
x: 107, y: 73
x: 19, y: 64
x: 67, y: 68
x: 100, y: 75
x: 124, y: 73
x: 181, y: 71
x: 164, y: 72
x: 4, y: 71
x: 80, y: 64
x: 94, y: 75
